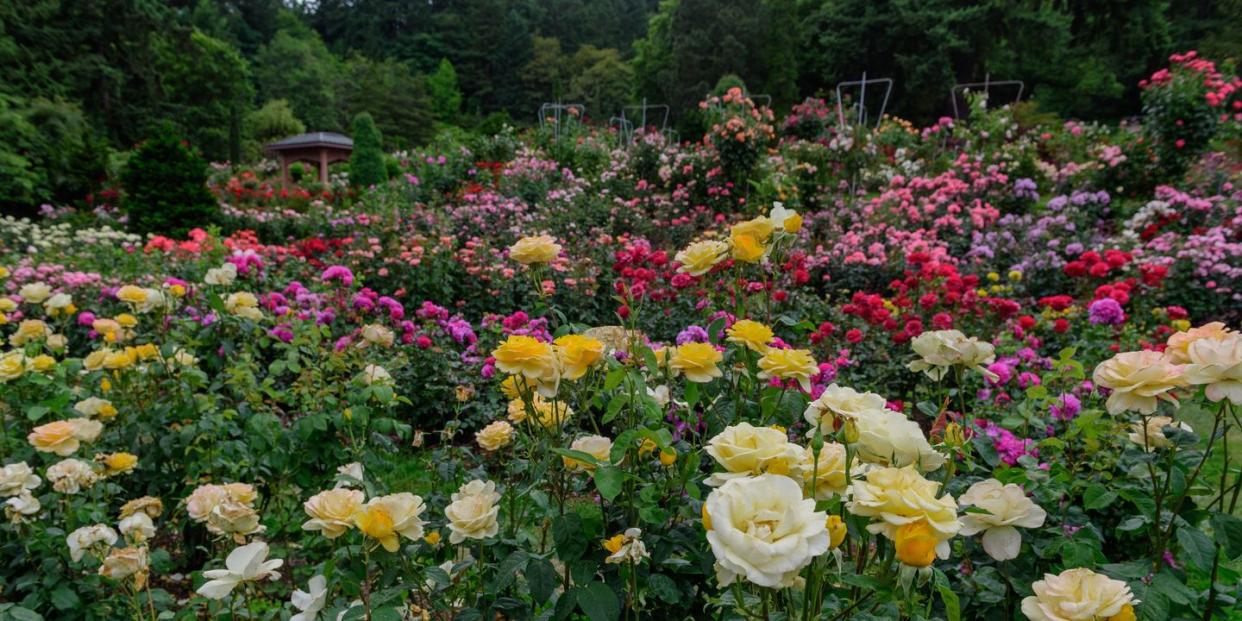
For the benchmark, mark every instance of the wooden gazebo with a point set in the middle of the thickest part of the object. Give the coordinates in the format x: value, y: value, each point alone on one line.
x: 319, y: 148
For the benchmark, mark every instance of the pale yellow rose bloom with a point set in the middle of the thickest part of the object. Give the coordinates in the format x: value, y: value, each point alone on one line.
x: 787, y: 364
x: 1008, y: 509
x: 577, y: 354
x: 1151, y: 436
x: 745, y: 450
x: 1179, y: 343
x: 1078, y: 595
x: 696, y: 361
x: 598, y: 447
x: 1138, y: 380
x: 535, y: 249
x: 700, y: 257
x: 473, y: 512
x: 332, y: 511
x: 895, y: 497
x: 496, y: 435
x: 1217, y: 365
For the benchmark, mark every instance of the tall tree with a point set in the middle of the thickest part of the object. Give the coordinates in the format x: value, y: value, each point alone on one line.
x: 366, y: 164
x: 444, y: 91
x: 297, y: 66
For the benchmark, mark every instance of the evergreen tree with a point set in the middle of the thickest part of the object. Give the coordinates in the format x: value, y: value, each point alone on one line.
x: 165, y: 184
x: 444, y: 92
x: 296, y: 66
x: 366, y: 164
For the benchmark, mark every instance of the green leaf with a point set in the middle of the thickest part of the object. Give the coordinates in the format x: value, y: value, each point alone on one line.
x: 952, y: 605
x: 614, y: 377
x: 609, y: 481
x: 599, y: 602
x: 541, y: 579
x: 664, y: 588
x: 63, y: 598
x: 1198, y: 548
x: 507, y: 570
x: 1227, y: 530
x: 1098, y: 497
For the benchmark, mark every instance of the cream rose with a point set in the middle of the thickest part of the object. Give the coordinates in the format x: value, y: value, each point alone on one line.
x: 895, y: 497
x: 1151, y: 436
x: 745, y: 450
x: 70, y: 476
x: 1077, y: 595
x: 1008, y: 509
x: 763, y: 530
x: 22, y: 507
x: 35, y: 292
x: 89, y: 538
x: 495, y: 436
x: 598, y: 447
x: 826, y: 477
x: 839, y: 401
x: 888, y: 438
x: 940, y: 349
x: 701, y: 256
x: 137, y: 528
x: 1138, y: 379
x: 1178, y: 349
x: 234, y: 519
x: 473, y: 512
x: 121, y: 563
x: 332, y: 511
x: 1216, y: 363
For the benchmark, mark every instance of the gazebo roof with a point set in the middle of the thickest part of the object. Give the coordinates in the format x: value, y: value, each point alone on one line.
x: 314, y: 139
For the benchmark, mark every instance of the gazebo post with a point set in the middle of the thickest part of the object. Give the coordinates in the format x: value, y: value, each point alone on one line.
x: 284, y: 170
x: 323, y: 165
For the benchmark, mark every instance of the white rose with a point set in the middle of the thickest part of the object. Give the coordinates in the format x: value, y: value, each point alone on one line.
x: 762, y: 529
x: 17, y: 478
x: 940, y: 349
x: 1007, y: 509
x: 1152, y: 437
x: 35, y: 292
x: 137, y: 528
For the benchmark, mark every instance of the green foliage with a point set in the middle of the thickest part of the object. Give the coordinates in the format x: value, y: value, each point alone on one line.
x: 396, y: 98
x: 165, y: 185
x: 273, y: 121
x: 207, y: 93
x: 601, y: 81
x: 444, y: 92
x: 296, y: 66
x: 366, y: 164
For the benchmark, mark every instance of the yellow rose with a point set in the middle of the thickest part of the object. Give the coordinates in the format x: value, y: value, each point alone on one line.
x: 472, y: 514
x: 96, y: 408
x: 43, y: 363
x: 512, y: 386
x: 1178, y: 349
x: 786, y: 364
x: 132, y: 295
x: 915, y: 544
x: 836, y: 531
x: 118, y: 360
x: 495, y: 436
x: 1078, y: 595
x: 700, y: 257
x: 146, y: 351
x: 882, y: 436
x: 243, y: 304
x: 29, y: 330
x: 895, y: 497
x: 526, y: 356
x: 697, y: 361
x: 745, y: 450
x: 754, y: 335
x: 1217, y: 363
x: 535, y: 249
x: 598, y: 447
x: 577, y: 354
x: 1008, y: 509
x: 1138, y: 380
x: 13, y: 365
x: 332, y: 511
x: 149, y: 505
x: 118, y: 463
x: 747, y: 249
x: 762, y: 530
x: 385, y: 517
x: 126, y: 320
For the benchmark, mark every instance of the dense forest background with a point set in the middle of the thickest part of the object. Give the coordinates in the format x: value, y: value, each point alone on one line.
x: 85, y: 79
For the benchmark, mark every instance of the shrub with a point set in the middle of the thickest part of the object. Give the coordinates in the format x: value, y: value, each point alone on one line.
x: 366, y: 165
x: 1185, y: 105
x: 165, y: 185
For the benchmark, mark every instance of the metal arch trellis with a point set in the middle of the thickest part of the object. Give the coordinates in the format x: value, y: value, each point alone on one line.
x: 625, y: 130
x: 987, y: 85
x: 552, y: 114
x: 861, y: 106
x: 641, y: 112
